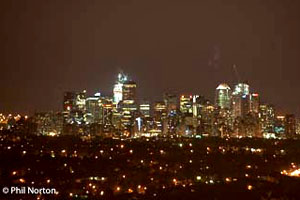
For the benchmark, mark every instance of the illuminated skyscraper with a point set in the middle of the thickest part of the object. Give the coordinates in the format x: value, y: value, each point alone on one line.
x: 207, y: 116
x: 106, y: 110
x: 196, y: 105
x: 93, y: 109
x: 74, y: 107
x: 129, y: 90
x: 241, y: 100
x: 145, y: 109
x: 279, y: 126
x: 170, y: 102
x: 241, y: 89
x: 223, y: 96
x: 118, y: 88
x: 240, y: 105
x: 267, y: 118
x: 160, y: 115
x: 254, y: 103
x: 160, y: 110
x: 128, y: 105
x: 186, y: 104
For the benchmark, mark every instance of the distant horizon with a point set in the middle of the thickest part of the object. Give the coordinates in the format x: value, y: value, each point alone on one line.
x: 139, y: 99
x: 51, y: 47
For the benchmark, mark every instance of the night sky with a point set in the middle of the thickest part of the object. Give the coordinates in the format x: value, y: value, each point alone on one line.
x: 51, y: 46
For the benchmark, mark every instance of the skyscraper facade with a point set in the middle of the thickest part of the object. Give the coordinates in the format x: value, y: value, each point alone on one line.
x: 223, y: 96
x: 118, y: 88
x: 241, y: 100
x: 186, y: 104
x: 171, y: 102
x: 74, y: 107
x: 290, y: 125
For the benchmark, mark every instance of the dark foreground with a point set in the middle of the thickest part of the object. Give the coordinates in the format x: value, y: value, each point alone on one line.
x: 157, y: 168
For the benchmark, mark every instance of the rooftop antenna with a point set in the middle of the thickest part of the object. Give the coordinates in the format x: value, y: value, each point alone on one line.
x: 237, y: 76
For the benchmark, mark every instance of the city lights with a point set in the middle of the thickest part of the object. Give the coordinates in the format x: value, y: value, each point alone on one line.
x: 104, y: 146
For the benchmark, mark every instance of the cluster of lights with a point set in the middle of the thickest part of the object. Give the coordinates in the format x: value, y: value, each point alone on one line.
x: 294, y: 171
x: 95, y: 184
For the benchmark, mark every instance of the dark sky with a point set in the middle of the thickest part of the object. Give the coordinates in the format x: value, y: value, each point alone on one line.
x: 50, y: 46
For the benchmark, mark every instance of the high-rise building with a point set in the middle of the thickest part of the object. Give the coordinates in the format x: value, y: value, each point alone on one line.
x: 254, y: 103
x: 74, y: 107
x: 236, y: 106
x: 118, y: 88
x: 240, y: 105
x: 290, y: 125
x: 128, y: 106
x: 241, y: 100
x: 196, y: 105
x: 279, y: 126
x: 128, y: 110
x: 145, y: 109
x: 106, y: 111
x: 159, y: 110
x: 171, y: 102
x: 241, y: 89
x: 208, y: 120
x: 223, y: 96
x: 129, y: 90
x: 159, y: 117
x: 186, y: 104
x: 93, y: 109
x: 266, y: 118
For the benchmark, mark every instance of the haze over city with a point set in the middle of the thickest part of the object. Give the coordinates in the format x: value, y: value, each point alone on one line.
x: 159, y: 99
x: 186, y: 47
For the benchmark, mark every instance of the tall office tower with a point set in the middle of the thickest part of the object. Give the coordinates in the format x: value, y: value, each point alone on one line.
x: 128, y: 106
x: 74, y: 107
x: 279, y: 126
x: 69, y: 101
x: 290, y: 125
x: 236, y: 106
x: 266, y: 118
x: 159, y: 116
x: 241, y: 89
x: 245, y: 105
x: 159, y: 110
x: 106, y: 110
x: 186, y: 104
x: 199, y: 102
x: 170, y: 102
x: 93, y: 109
x: 207, y: 119
x: 254, y: 103
x: 129, y: 90
x: 118, y: 88
x: 128, y: 111
x: 196, y: 105
x: 241, y: 100
x: 225, y: 123
x: 240, y: 105
x: 223, y: 96
x: 145, y: 109
x: 171, y: 123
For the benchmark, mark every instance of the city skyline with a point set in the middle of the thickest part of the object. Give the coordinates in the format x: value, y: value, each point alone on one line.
x: 211, y: 98
x: 184, y: 47
x: 159, y: 99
